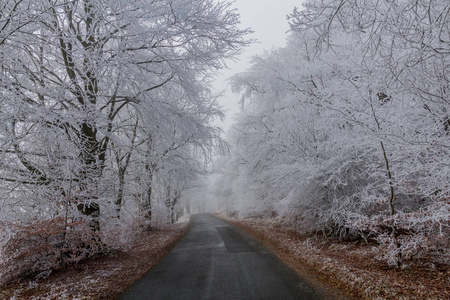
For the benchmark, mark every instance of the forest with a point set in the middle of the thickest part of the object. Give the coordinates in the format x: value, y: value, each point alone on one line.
x: 345, y: 131
x: 108, y: 112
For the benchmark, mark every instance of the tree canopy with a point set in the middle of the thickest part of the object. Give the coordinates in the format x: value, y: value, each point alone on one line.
x: 345, y: 131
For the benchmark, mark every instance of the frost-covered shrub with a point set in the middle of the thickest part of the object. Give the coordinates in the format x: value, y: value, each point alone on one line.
x: 331, y: 199
x: 122, y: 234
x: 39, y: 248
x: 422, y: 235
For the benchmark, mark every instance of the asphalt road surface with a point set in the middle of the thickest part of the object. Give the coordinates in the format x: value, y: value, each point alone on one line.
x: 215, y: 260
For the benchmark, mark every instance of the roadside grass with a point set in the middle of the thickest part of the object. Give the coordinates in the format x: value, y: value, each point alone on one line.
x: 349, y: 267
x: 102, y: 277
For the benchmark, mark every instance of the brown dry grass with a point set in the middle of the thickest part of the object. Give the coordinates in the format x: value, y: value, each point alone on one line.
x: 104, y: 277
x: 347, y: 267
x: 350, y: 267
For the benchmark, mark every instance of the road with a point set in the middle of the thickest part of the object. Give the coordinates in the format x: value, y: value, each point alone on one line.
x: 216, y: 260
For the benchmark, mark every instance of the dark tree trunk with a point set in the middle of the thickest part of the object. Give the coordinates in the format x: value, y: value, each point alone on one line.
x: 119, y: 199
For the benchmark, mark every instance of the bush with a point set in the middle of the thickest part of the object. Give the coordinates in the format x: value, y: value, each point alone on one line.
x: 43, y: 246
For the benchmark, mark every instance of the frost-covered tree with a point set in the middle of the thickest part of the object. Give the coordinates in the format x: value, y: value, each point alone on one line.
x: 396, y: 86
x: 96, y: 97
x: 345, y: 130
x: 79, y: 72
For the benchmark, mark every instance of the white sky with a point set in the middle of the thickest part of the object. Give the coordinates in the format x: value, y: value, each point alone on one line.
x: 268, y: 20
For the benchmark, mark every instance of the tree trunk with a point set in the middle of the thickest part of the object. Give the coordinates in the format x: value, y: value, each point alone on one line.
x: 392, y: 207
x: 148, y: 203
x: 90, y: 174
x: 119, y: 199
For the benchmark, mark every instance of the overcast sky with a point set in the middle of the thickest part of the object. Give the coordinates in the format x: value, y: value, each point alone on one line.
x: 268, y: 20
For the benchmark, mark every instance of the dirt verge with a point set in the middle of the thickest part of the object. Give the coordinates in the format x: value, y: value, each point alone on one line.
x: 348, y: 268
x: 103, y: 277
